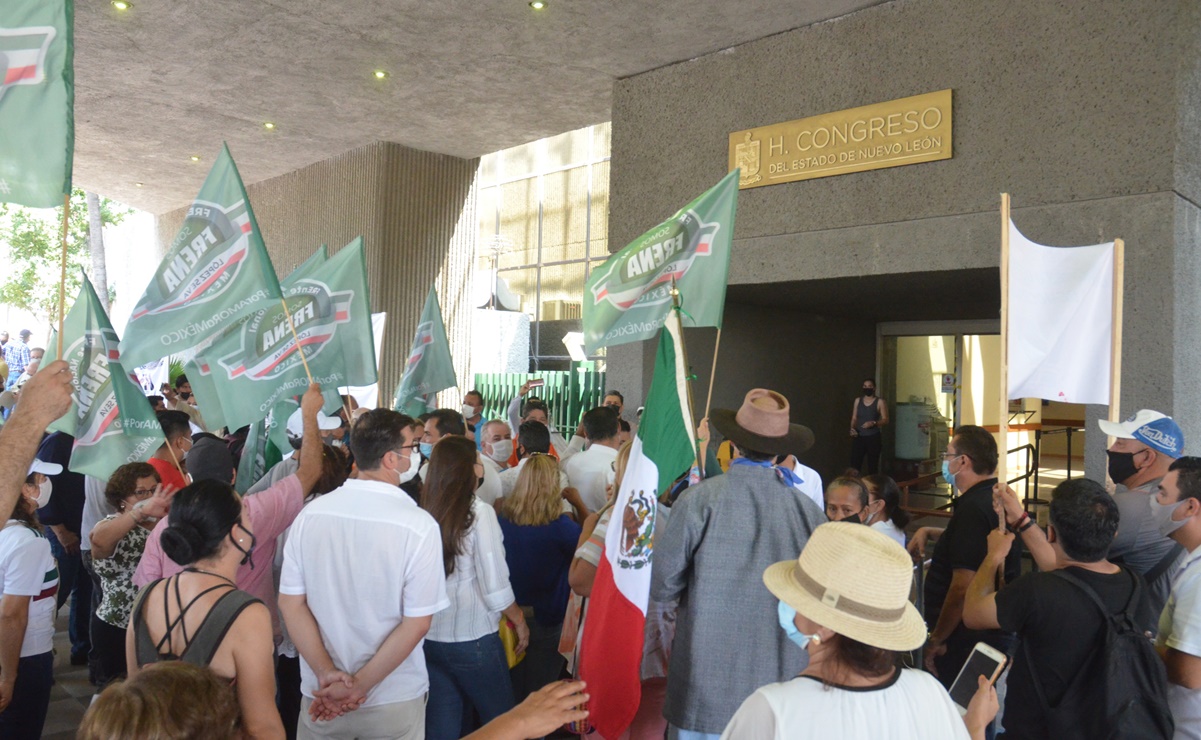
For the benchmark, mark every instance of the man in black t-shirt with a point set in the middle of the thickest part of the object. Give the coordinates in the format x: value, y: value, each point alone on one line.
x: 1058, y: 625
x: 969, y: 464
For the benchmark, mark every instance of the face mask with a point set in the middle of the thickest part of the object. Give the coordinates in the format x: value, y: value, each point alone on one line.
x: 869, y: 392
x: 409, y: 474
x: 1161, y: 514
x: 786, y: 615
x: 44, y: 490
x: 947, y: 475
x: 502, y: 450
x: 185, y: 395
x: 469, y: 412
x: 853, y: 519
x: 426, y: 449
x: 248, y: 551
x: 1121, y: 466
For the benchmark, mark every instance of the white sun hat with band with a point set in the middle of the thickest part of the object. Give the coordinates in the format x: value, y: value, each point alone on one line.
x: 855, y: 581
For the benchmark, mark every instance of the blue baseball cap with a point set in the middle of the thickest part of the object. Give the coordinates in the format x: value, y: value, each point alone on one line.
x: 1158, y: 431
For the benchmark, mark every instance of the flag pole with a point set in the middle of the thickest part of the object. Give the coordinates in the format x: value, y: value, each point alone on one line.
x: 62, y: 284
x: 187, y: 478
x: 1115, y: 358
x: 1002, y: 458
x: 283, y: 302
x: 675, y: 306
x: 713, y: 373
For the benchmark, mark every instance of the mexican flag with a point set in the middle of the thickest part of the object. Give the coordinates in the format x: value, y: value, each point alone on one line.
x: 216, y: 272
x: 611, y: 650
x: 628, y: 297
x: 429, y: 368
x: 259, y: 364
x: 37, y: 101
x: 111, y: 420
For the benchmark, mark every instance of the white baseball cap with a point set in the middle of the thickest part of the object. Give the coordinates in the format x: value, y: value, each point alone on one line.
x: 1158, y: 431
x: 45, y: 468
x: 296, y: 423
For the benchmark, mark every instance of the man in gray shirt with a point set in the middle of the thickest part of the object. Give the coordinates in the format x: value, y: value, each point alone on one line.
x: 1144, y: 446
x: 721, y: 534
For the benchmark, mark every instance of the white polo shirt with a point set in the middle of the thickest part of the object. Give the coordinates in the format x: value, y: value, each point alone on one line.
x: 588, y: 473
x: 1180, y: 629
x: 366, y: 557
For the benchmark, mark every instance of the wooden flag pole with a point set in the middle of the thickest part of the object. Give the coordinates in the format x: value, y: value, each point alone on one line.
x: 299, y: 348
x: 675, y: 306
x: 1003, y: 422
x: 62, y: 284
x: 713, y: 373
x: 187, y: 478
x: 1115, y: 359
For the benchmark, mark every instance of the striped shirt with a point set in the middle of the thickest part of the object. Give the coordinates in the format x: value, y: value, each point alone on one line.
x: 28, y: 569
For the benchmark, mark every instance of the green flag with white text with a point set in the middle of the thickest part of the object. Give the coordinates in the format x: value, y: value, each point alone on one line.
x: 216, y: 272
x: 37, y: 101
x: 112, y: 422
x: 258, y: 456
x: 259, y: 363
x: 627, y: 298
x: 429, y: 368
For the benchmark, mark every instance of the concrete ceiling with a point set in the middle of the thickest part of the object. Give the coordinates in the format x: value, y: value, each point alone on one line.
x: 169, y: 79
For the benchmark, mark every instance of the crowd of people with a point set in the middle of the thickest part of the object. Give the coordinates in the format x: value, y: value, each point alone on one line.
x: 430, y: 577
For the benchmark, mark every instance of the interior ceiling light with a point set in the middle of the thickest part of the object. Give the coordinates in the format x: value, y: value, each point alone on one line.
x: 122, y: 5
x: 380, y: 74
x: 137, y: 184
x: 538, y: 4
x: 195, y: 158
x: 269, y: 125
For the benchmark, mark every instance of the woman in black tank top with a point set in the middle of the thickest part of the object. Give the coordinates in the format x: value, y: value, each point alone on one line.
x: 199, y: 616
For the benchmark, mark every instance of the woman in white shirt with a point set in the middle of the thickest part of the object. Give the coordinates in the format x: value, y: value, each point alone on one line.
x: 845, y: 600
x: 29, y: 579
x: 884, y: 510
x: 463, y: 652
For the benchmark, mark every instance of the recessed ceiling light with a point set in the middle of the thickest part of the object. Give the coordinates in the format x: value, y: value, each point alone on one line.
x: 380, y: 74
x: 538, y: 4
x: 268, y: 125
x: 195, y: 158
x: 137, y: 184
x: 122, y: 5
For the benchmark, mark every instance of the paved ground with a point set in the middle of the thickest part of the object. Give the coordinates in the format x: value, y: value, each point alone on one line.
x: 71, y: 693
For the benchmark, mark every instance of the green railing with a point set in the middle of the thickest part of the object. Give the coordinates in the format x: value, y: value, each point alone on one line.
x: 568, y: 393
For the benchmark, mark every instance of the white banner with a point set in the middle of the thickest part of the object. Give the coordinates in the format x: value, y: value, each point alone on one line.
x: 1060, y: 321
x: 367, y: 396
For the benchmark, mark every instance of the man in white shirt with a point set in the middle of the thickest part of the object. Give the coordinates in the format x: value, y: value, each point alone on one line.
x: 589, y: 471
x: 361, y: 581
x: 532, y: 438
x: 496, y: 447
x: 535, y: 409
x: 446, y: 423
x: 1176, y: 509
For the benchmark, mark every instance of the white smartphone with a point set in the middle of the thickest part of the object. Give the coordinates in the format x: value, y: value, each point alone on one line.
x: 985, y: 660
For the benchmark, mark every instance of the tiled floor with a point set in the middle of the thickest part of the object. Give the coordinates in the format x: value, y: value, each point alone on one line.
x: 71, y: 693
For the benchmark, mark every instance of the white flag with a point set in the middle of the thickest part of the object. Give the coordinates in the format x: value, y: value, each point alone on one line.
x: 1060, y: 320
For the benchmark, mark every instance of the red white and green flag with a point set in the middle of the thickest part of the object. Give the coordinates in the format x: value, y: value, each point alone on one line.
x: 216, y: 272
x: 111, y: 420
x: 37, y: 101
x: 611, y: 649
x: 628, y: 298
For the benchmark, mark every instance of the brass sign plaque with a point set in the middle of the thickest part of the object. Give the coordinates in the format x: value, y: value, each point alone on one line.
x: 899, y: 132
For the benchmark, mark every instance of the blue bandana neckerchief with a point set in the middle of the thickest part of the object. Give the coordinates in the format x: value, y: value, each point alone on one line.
x: 785, y: 474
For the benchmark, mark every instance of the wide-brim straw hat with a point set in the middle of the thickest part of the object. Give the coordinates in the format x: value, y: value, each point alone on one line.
x: 762, y: 425
x: 855, y: 581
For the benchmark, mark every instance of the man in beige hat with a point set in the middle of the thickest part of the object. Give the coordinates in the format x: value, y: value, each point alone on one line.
x: 721, y: 532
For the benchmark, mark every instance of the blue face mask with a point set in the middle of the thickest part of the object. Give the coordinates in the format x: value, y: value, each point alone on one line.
x: 947, y: 475
x: 786, y: 615
x: 426, y: 449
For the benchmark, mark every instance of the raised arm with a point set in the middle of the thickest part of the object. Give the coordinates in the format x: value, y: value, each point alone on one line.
x: 309, y: 471
x: 45, y: 397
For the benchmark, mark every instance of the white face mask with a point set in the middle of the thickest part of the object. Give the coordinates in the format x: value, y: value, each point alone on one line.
x: 469, y: 412
x: 409, y: 474
x: 502, y: 450
x: 44, y: 490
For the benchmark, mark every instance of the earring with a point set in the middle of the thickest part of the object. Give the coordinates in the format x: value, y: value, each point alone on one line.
x: 816, y: 639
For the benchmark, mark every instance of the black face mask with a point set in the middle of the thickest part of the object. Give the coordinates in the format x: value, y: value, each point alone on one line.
x: 869, y: 392
x: 1121, y: 465
x: 185, y: 395
x: 853, y: 519
x: 247, y: 552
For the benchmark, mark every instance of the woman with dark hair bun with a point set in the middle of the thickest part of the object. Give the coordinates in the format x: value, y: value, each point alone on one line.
x: 199, y: 616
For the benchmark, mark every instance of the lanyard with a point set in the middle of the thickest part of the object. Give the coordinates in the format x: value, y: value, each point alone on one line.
x: 785, y: 474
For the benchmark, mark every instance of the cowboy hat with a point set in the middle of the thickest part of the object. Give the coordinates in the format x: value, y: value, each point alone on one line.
x: 855, y: 581
x: 762, y: 425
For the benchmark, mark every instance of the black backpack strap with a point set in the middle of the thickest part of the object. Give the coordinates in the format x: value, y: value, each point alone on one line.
x: 1162, y: 566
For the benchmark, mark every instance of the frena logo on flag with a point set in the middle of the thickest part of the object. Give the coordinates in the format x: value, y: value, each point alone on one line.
x: 23, y: 55
x: 95, y: 403
x: 212, y: 246
x: 268, y: 349
x: 424, y: 338
x: 644, y: 275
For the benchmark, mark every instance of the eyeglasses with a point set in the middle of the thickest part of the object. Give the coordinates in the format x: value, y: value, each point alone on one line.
x: 953, y: 455
x: 143, y: 492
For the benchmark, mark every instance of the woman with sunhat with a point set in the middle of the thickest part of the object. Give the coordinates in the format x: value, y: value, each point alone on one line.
x: 845, y: 601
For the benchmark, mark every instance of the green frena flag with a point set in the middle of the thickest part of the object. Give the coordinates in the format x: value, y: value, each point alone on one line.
x: 627, y: 298
x: 429, y: 368
x: 216, y: 272
x: 259, y: 363
x: 112, y: 422
x: 37, y: 101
